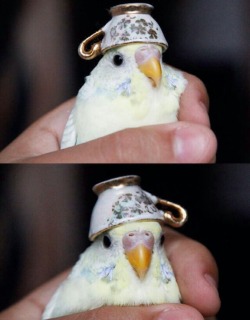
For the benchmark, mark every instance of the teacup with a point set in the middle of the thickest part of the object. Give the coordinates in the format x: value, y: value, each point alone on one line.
x: 122, y: 200
x: 130, y: 23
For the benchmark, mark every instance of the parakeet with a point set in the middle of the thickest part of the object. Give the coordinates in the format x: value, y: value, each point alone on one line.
x: 125, y: 265
x: 129, y: 87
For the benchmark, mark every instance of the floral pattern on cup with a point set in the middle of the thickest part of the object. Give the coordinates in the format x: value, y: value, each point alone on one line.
x: 131, y: 205
x: 130, y: 26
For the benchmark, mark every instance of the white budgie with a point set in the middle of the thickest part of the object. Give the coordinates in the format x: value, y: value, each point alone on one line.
x: 125, y: 265
x: 130, y: 87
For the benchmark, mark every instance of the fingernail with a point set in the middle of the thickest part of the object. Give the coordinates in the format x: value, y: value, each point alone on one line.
x: 189, y: 144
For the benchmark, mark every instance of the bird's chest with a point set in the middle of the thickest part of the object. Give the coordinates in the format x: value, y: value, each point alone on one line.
x: 130, y: 103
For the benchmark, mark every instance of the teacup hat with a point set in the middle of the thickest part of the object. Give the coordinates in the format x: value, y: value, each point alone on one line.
x: 121, y: 200
x: 130, y: 23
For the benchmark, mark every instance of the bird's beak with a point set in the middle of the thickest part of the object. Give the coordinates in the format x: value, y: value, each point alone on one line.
x: 152, y: 69
x: 138, y: 247
x: 148, y: 60
x: 140, y: 258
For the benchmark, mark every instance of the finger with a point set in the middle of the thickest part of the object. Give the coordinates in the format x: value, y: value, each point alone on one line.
x: 196, y: 273
x: 160, y: 312
x: 43, y: 136
x: 32, y: 306
x: 179, y: 142
x: 194, y: 102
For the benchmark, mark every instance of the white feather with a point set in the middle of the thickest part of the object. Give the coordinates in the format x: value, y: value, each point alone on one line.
x: 105, y: 277
x: 69, y: 134
x: 117, y: 97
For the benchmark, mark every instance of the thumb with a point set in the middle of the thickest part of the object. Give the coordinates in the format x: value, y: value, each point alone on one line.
x: 172, y: 143
x: 160, y: 312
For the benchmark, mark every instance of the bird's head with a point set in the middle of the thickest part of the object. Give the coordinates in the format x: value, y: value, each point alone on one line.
x: 122, y: 62
x: 138, y: 241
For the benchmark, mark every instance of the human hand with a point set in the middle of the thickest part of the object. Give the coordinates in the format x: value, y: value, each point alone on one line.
x: 190, y: 140
x: 196, y: 273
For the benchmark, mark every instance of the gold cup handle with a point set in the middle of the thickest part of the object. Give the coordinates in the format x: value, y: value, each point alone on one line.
x: 174, y: 214
x: 89, y: 48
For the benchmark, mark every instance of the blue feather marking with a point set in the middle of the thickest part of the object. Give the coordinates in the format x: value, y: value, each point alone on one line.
x: 107, y: 272
x: 88, y: 275
x: 167, y: 274
x: 172, y: 81
x: 124, y: 88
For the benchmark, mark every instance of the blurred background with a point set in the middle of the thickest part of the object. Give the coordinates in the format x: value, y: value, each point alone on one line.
x: 45, y: 213
x: 40, y: 67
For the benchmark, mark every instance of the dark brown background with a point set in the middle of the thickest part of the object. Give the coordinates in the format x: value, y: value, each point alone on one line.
x: 45, y: 210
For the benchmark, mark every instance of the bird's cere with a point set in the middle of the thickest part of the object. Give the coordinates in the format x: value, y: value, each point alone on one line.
x: 146, y: 52
x: 138, y: 247
x: 126, y: 264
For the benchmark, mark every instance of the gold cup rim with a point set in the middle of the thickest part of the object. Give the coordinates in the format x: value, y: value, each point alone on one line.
x: 129, y: 8
x: 129, y: 180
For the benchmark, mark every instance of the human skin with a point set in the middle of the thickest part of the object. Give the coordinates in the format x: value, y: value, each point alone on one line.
x: 189, y: 140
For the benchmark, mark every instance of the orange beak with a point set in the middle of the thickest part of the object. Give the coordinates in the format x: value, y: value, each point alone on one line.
x: 148, y: 58
x: 140, y: 258
x: 152, y: 69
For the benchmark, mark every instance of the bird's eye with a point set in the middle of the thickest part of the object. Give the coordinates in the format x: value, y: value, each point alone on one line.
x: 162, y: 239
x: 106, y: 242
x: 118, y: 60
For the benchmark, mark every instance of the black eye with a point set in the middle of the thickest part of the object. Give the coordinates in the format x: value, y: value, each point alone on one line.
x: 162, y: 240
x: 106, y: 242
x: 118, y: 60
